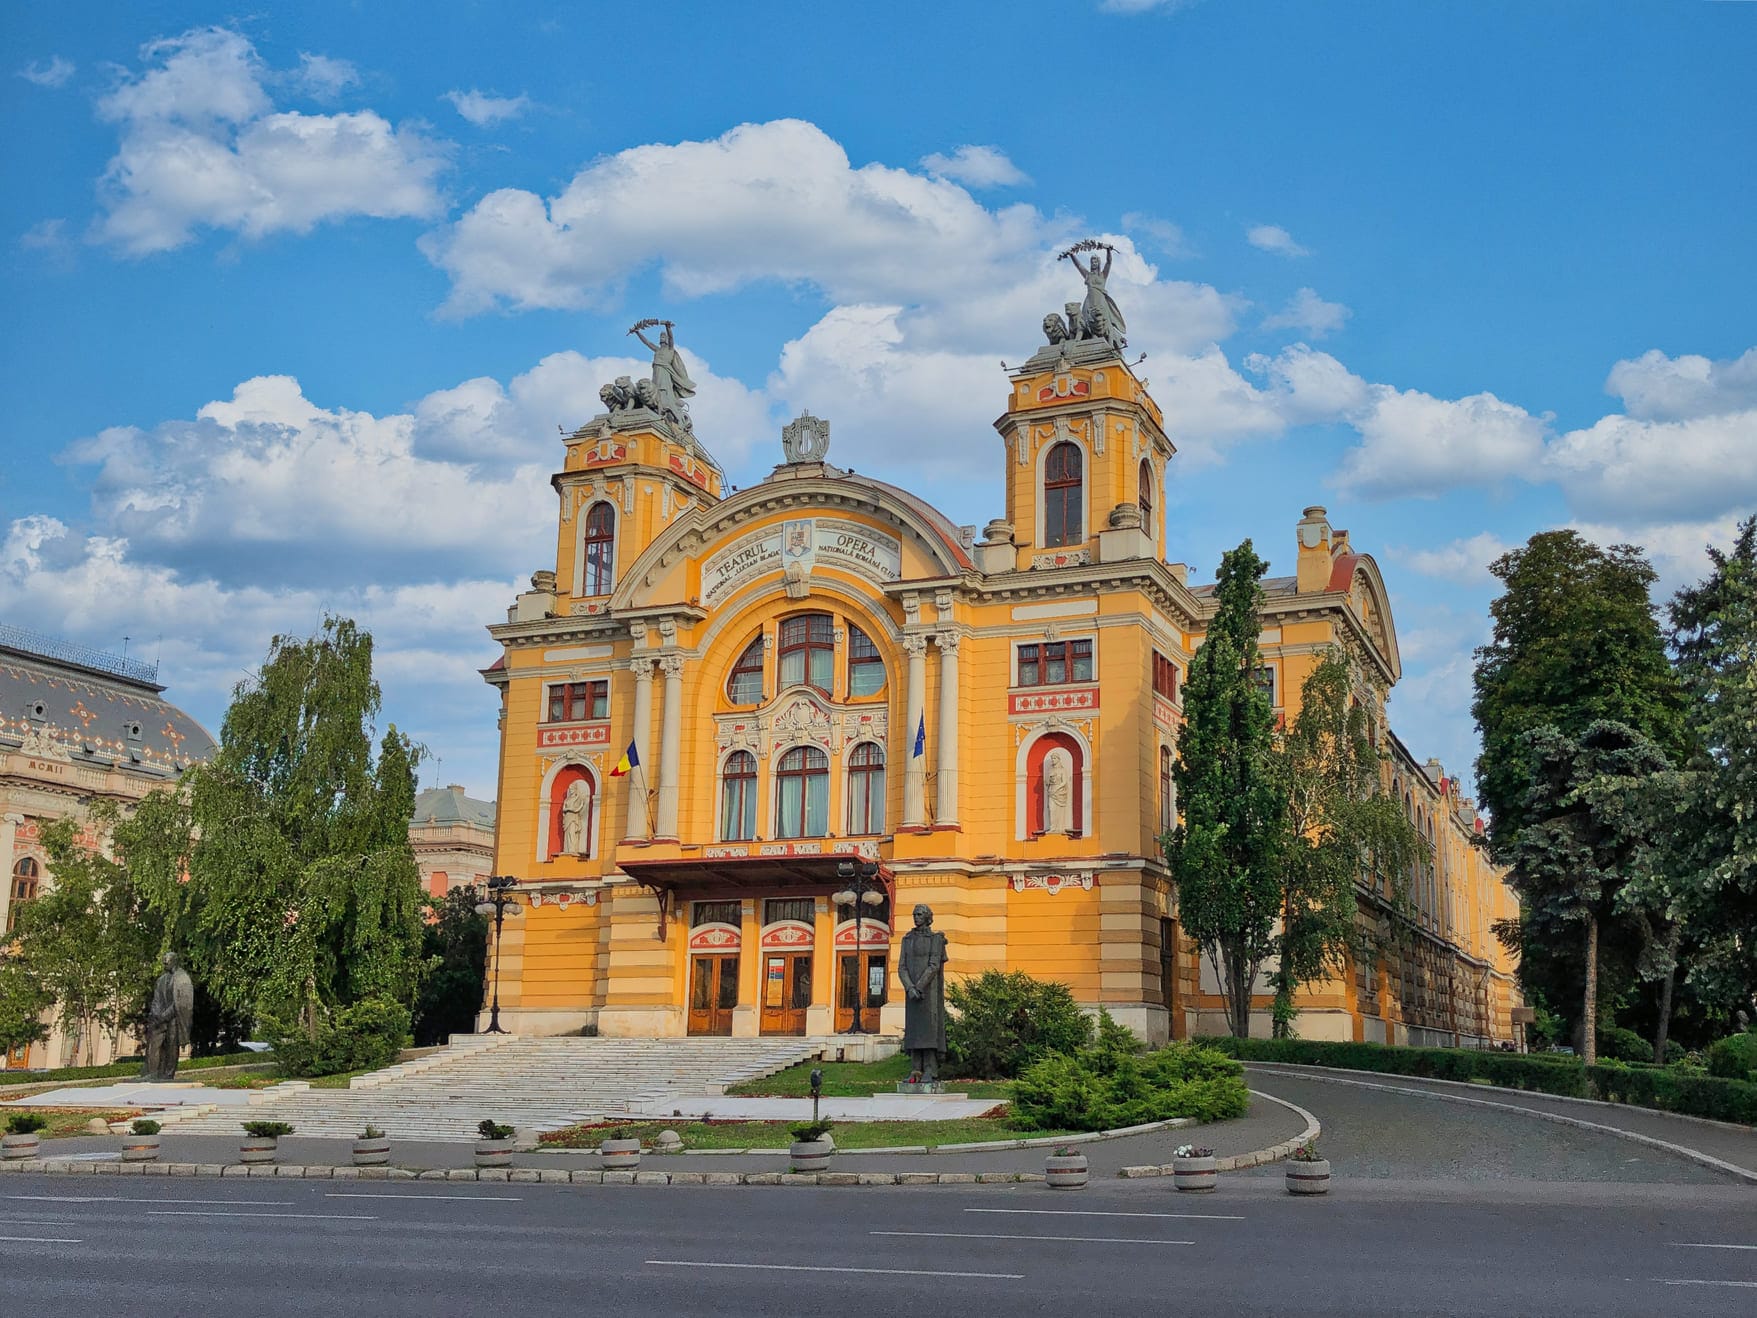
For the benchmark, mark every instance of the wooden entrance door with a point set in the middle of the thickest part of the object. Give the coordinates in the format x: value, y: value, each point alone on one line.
x: 786, y: 990
x: 860, y: 975
x: 713, y: 993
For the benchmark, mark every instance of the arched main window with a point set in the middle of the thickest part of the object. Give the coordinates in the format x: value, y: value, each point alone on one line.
x: 26, y: 878
x: 1063, y: 496
x: 866, y: 789
x: 599, y: 539
x: 745, y: 685
x: 738, y: 798
x: 802, y: 793
x: 1145, y: 497
x: 866, y: 666
x: 808, y: 651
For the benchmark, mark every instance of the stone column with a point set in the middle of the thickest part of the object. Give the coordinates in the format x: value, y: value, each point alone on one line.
x: 642, y: 668
x: 914, y: 767
x: 670, y: 745
x: 8, y: 842
x: 946, y: 755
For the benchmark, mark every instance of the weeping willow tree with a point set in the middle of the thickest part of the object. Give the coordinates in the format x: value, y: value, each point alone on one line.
x: 303, y: 892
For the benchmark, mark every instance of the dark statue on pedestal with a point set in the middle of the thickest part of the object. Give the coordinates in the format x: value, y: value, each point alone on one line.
x: 168, y: 1019
x: 921, y: 970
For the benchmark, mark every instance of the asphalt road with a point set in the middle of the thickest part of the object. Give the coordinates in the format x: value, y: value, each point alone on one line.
x: 1372, y: 1247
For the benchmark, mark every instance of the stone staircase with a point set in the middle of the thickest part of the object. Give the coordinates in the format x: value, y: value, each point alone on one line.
x: 533, y: 1084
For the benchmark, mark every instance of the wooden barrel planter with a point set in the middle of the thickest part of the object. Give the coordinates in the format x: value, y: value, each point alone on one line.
x: 495, y: 1153
x: 16, y: 1148
x: 373, y: 1151
x: 140, y: 1148
x: 811, y: 1155
x: 1309, y: 1177
x: 258, y: 1148
x: 1065, y: 1171
x: 620, y: 1155
x: 1195, y: 1175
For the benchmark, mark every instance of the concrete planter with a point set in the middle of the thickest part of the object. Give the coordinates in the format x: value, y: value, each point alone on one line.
x: 258, y: 1148
x: 492, y: 1153
x: 1065, y: 1171
x: 623, y: 1155
x: 811, y: 1155
x: 15, y: 1148
x: 1194, y: 1175
x: 372, y: 1152
x: 140, y: 1148
x: 1309, y: 1177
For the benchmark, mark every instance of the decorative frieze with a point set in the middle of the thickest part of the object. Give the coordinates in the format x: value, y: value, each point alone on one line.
x: 1056, y: 701
x: 1061, y: 558
x: 1052, y: 883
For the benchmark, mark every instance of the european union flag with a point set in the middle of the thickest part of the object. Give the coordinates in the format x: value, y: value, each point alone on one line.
x: 920, y: 738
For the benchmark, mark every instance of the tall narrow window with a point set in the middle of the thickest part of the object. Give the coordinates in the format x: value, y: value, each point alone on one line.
x: 866, y: 789
x: 26, y: 877
x: 866, y: 666
x: 808, y: 651
x: 600, y: 543
x: 1063, y: 496
x: 738, y: 798
x: 745, y: 685
x: 1167, y: 792
x: 1145, y: 498
x: 802, y: 793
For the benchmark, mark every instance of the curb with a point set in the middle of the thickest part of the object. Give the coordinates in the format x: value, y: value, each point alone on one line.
x: 1579, y: 1123
x: 1239, y: 1162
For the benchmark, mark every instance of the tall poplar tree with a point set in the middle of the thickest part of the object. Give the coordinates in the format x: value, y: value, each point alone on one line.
x: 1225, y: 855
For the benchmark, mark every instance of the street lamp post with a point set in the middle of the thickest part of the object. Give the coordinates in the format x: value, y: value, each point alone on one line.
x: 861, y: 877
x: 500, y: 900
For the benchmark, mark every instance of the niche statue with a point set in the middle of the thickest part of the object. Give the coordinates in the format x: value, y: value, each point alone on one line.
x: 168, y: 1020
x: 921, y: 970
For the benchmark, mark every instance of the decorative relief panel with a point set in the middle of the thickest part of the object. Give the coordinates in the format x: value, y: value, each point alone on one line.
x: 1062, y: 558
x: 1052, y: 883
x: 1044, y: 702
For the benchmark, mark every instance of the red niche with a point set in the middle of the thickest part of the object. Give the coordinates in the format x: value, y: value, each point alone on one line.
x: 566, y: 778
x: 1034, y: 803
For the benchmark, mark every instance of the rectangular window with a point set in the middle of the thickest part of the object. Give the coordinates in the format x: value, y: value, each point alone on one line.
x: 1164, y: 677
x: 1054, y: 663
x: 776, y: 909
x: 576, y: 702
x: 715, y: 913
x: 1265, y: 676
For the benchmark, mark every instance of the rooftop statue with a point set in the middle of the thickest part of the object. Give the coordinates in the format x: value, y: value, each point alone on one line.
x: 671, y: 383
x: 1097, y: 316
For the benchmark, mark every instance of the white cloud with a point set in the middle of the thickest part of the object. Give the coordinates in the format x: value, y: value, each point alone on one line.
x: 1464, y: 562
x: 1417, y: 445
x: 325, y: 77
x: 1655, y: 387
x: 1622, y: 467
x: 53, y: 72
x: 200, y: 147
x: 484, y: 109
x: 1167, y: 237
x: 47, y: 236
x: 976, y: 167
x: 1306, y: 311
x: 1273, y: 238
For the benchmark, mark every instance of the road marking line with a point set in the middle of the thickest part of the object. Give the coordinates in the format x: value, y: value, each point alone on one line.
x: 801, y: 1267
x: 70, y: 1198
x: 475, y: 1198
x: 1692, y: 1281
x: 43, y: 1240
x: 1686, y: 1244
x: 979, y: 1235
x: 325, y: 1217
x: 142, y: 1199
x: 1078, y: 1212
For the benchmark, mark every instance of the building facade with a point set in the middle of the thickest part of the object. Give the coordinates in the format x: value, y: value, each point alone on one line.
x: 76, y: 727
x: 822, y: 674
x: 453, y: 839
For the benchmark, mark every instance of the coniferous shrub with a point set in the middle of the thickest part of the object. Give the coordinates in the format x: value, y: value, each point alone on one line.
x: 1003, y: 1021
x: 1103, y: 1089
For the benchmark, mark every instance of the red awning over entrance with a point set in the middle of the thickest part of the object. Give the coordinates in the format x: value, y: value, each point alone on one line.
x: 727, y: 877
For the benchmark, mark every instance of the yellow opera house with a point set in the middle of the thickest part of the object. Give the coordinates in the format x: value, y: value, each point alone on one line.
x: 822, y: 688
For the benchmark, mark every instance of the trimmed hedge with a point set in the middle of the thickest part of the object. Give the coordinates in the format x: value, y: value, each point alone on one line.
x: 1734, y: 1058
x: 1105, y: 1087
x: 1660, y: 1088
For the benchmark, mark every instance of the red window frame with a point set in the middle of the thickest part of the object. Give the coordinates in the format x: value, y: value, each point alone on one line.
x: 1164, y: 677
x: 863, y: 654
x: 808, y: 635
x: 750, y: 663
x: 866, y: 789
x: 27, y: 878
x: 1039, y: 659
x: 577, y: 702
x: 600, y: 546
x: 1145, y: 497
x: 1063, y: 502
x: 738, y: 798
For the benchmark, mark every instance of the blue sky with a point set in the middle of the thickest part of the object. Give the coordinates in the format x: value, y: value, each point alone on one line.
x: 297, y: 300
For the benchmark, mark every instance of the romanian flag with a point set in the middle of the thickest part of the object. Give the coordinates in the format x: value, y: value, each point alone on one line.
x: 628, y: 761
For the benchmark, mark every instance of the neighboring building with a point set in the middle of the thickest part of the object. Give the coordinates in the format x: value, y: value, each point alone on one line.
x: 76, y: 726
x: 822, y: 668
x: 453, y: 837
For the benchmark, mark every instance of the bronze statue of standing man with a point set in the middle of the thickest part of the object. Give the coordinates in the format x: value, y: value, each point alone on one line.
x: 168, y: 1020
x: 921, y: 970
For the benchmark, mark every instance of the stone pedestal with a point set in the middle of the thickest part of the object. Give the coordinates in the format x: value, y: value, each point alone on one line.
x: 921, y: 1087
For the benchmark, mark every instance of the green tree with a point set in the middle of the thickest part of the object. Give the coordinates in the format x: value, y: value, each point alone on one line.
x: 22, y: 1004
x: 1225, y: 855
x: 1584, y: 837
x: 1575, y: 640
x: 454, y: 946
x: 1341, y: 825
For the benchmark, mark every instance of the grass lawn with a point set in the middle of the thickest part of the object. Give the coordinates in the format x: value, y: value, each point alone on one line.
x: 858, y: 1080
x: 248, y: 1080
x: 338, y: 1080
x: 130, y: 1068
x: 849, y: 1135
x: 65, y: 1122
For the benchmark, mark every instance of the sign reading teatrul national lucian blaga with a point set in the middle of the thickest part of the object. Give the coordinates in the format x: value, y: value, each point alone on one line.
x: 807, y: 541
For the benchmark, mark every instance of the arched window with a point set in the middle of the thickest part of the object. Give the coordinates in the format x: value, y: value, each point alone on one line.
x: 738, y: 798
x: 745, y: 685
x: 26, y: 876
x: 1145, y: 497
x: 866, y: 789
x: 808, y: 651
x: 866, y: 666
x: 1167, y: 792
x: 599, y: 539
x: 802, y: 793
x: 1063, y: 496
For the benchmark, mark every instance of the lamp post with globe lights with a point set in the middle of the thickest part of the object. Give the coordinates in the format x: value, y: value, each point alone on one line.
x: 863, y: 889
x: 500, y: 900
